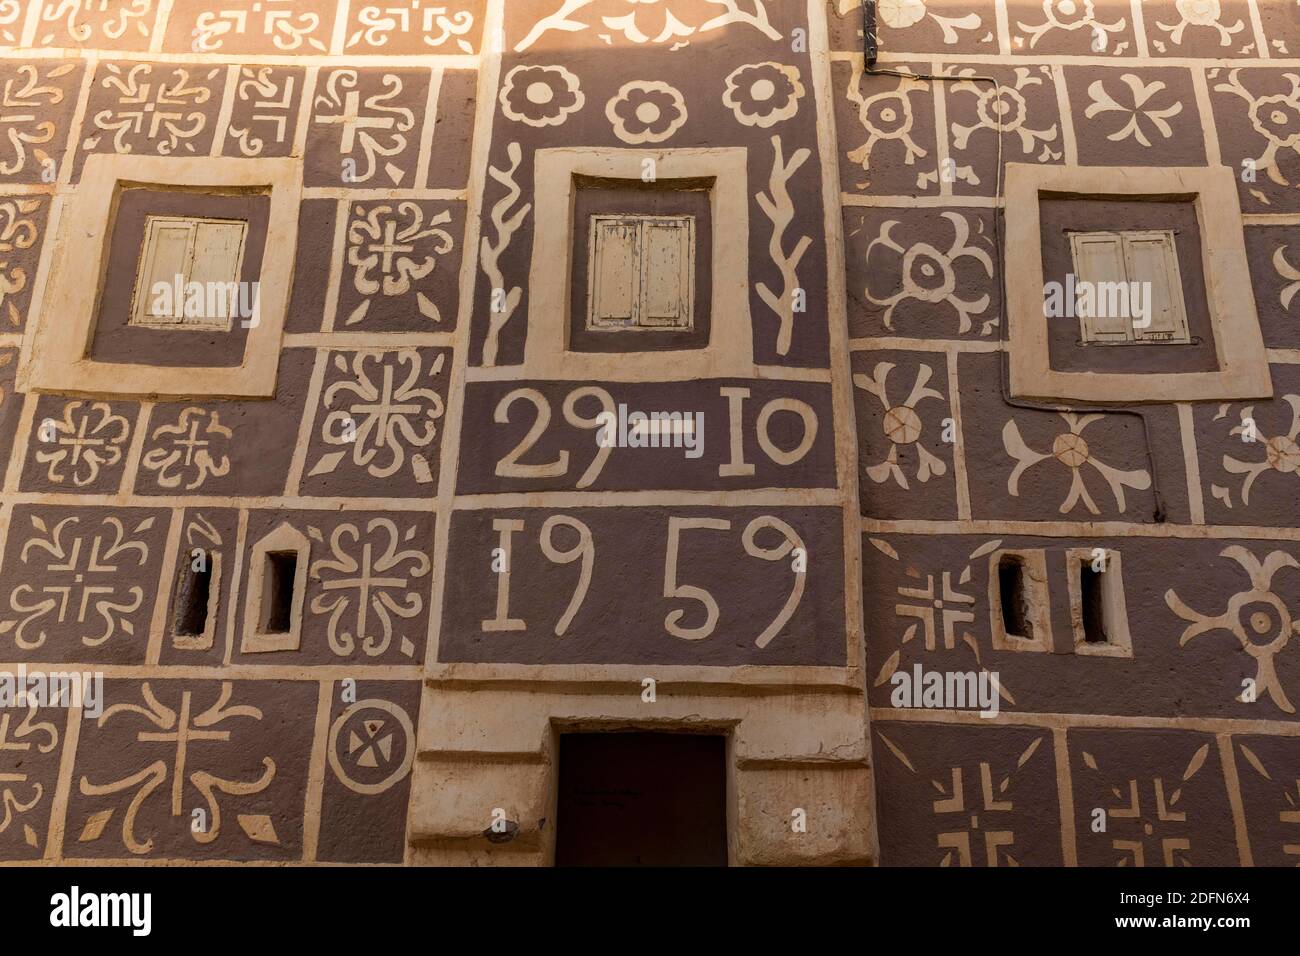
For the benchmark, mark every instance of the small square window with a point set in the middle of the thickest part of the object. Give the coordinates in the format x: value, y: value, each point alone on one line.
x: 642, y: 273
x: 178, y: 254
x: 1134, y: 285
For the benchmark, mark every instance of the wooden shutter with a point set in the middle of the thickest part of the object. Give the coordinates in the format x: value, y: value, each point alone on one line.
x: 668, y: 254
x: 615, y: 273
x: 1152, y: 259
x: 1098, y: 259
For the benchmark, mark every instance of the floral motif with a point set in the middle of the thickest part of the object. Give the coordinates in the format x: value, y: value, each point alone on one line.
x: 382, y: 420
x: 89, y: 437
x: 633, y: 20
x: 1258, y: 618
x: 389, y: 249
x: 1071, y: 449
x: 178, y: 729
x: 1200, y: 13
x: 928, y: 275
x: 369, y: 576
x: 646, y: 111
x: 763, y: 94
x: 541, y: 95
x: 1070, y: 15
x: 371, y: 123
x: 190, y: 451
x: 886, y: 117
x: 161, y: 111
x: 902, y: 425
x: 901, y: 14
x: 1275, y: 117
x: 1004, y: 108
x: 1103, y: 102
x: 79, y: 583
x: 1281, y: 452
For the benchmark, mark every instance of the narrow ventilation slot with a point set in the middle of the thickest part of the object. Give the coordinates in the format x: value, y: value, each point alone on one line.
x: 193, y: 600
x: 277, y: 591
x: 1014, y: 599
x: 1092, y: 598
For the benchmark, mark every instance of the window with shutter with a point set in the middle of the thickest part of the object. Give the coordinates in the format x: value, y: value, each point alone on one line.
x: 1120, y: 267
x: 641, y: 273
x: 184, y: 255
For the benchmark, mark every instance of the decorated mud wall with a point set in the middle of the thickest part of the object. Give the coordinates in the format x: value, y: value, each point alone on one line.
x: 593, y: 365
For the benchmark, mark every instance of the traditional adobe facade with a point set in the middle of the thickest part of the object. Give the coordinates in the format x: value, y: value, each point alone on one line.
x: 377, y: 571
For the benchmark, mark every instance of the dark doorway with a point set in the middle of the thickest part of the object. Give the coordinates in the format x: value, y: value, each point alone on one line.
x: 634, y: 799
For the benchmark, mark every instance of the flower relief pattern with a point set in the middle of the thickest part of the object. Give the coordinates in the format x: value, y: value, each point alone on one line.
x: 17, y: 233
x: 155, y: 108
x: 929, y: 276
x: 651, y: 22
x: 367, y: 585
x: 178, y: 729
x: 1139, y: 95
x: 646, y: 111
x: 370, y: 123
x: 84, y: 581
x: 1197, y: 13
x: 541, y: 95
x: 1071, y: 449
x: 1071, y: 16
x: 763, y: 94
x: 1276, y: 118
x: 901, y: 14
x: 937, y: 612
x: 1279, y: 453
x: 380, y: 412
x: 887, y: 117
x: 902, y: 425
x: 1004, y: 109
x: 190, y: 450
x: 390, y: 247
x: 1257, y: 617
x: 89, y: 437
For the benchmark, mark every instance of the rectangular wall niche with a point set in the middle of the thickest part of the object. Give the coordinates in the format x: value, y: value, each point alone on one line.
x: 1019, y: 603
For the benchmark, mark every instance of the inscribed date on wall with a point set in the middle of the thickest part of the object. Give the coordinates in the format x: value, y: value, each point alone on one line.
x: 658, y: 585
x: 623, y: 436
